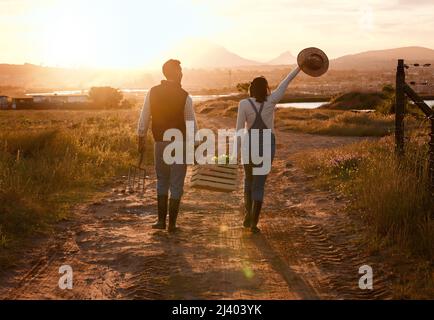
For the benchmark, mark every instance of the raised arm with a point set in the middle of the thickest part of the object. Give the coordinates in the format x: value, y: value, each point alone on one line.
x: 279, y: 92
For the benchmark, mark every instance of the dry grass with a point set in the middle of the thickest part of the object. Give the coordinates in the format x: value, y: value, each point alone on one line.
x: 335, y: 123
x: 391, y: 195
x: 315, y: 121
x: 50, y: 160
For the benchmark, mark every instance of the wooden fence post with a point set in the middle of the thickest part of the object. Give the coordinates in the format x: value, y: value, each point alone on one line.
x: 400, y: 108
x: 403, y: 90
x: 431, y: 161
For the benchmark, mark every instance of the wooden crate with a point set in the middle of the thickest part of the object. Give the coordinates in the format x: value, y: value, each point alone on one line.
x: 223, y: 178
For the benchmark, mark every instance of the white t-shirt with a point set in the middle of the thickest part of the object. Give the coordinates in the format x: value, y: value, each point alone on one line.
x: 246, y: 115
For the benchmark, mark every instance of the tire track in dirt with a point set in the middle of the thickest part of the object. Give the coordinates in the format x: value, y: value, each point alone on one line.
x: 331, y: 240
x: 338, y: 260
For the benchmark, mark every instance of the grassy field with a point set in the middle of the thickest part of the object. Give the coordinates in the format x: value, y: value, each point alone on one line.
x: 392, y: 198
x: 317, y: 121
x: 50, y: 160
x: 335, y: 123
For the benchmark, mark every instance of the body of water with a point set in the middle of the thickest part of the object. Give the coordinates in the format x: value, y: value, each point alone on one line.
x: 301, y: 105
x: 201, y: 98
x: 314, y: 105
x: 197, y: 98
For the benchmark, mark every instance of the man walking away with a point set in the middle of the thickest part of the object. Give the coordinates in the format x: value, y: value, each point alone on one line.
x: 169, y: 106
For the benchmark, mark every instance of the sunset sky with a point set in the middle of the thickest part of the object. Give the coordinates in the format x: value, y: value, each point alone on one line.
x: 135, y: 33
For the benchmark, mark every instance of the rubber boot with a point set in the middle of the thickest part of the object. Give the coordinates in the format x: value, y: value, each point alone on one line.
x: 162, y: 213
x: 256, y: 211
x: 248, y: 208
x: 173, y: 214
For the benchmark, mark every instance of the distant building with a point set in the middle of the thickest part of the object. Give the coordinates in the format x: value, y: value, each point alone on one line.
x: 40, y: 99
x: 3, y: 102
x: 59, y: 100
x: 77, y: 99
x: 22, y: 103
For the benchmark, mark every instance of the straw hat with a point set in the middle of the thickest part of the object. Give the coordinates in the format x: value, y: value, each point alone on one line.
x: 313, y: 62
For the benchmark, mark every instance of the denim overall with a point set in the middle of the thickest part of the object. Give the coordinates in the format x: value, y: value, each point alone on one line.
x: 254, y: 184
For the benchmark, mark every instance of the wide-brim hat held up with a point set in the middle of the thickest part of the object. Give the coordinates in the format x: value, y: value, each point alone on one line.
x: 313, y: 61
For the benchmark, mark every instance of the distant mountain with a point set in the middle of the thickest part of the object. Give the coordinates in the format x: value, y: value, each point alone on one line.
x: 198, y: 55
x: 202, y: 54
x: 285, y: 58
x: 382, y: 59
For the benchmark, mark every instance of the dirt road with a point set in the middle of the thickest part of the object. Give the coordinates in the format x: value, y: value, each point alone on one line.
x: 308, y: 248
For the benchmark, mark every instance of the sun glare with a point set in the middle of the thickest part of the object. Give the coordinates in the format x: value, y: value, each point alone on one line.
x: 67, y: 38
x: 115, y: 34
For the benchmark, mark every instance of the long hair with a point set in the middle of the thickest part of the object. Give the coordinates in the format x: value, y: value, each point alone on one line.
x: 259, y: 89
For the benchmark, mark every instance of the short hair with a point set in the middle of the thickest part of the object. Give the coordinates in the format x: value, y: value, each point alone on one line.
x: 259, y: 89
x: 170, y: 66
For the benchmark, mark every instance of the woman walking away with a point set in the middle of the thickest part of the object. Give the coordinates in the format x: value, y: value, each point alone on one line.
x: 257, y: 112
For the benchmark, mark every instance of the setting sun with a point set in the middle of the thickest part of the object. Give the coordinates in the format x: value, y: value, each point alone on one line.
x: 133, y: 33
x: 113, y: 33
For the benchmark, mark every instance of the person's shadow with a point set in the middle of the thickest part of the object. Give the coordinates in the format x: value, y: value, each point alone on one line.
x: 295, y: 283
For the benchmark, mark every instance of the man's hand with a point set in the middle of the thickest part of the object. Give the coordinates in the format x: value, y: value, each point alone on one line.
x: 142, y: 144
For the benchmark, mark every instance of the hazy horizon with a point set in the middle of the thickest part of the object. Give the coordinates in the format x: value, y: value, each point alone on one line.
x: 132, y: 33
x: 156, y: 68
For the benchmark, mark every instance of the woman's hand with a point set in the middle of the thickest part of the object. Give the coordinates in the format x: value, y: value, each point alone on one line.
x: 313, y: 62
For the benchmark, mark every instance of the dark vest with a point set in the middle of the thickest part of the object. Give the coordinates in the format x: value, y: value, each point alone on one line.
x: 167, y: 108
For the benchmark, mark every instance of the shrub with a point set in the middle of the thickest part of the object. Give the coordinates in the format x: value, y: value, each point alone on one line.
x: 105, y: 97
x: 356, y: 101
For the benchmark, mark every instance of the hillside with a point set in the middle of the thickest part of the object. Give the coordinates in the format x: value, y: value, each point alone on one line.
x: 286, y: 58
x: 201, y: 54
x: 206, y: 67
x: 382, y: 59
x: 357, y: 101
